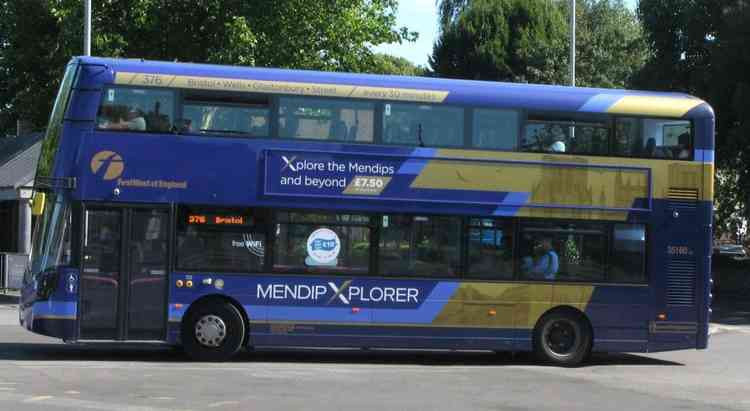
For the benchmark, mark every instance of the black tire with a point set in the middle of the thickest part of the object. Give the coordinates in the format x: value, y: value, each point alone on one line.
x: 562, y: 338
x: 213, y: 331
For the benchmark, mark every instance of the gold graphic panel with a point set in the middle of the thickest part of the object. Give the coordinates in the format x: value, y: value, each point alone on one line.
x: 577, y: 185
x: 497, y: 305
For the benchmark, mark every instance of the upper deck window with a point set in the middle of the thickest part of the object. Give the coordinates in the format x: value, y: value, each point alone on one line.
x: 667, y: 139
x: 226, y: 114
x: 136, y: 109
x: 326, y: 119
x: 578, y: 137
x: 424, y: 125
x: 495, y: 129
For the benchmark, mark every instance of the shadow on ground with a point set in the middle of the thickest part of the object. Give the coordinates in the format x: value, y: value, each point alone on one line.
x: 163, y: 354
x: 8, y: 299
x: 731, y: 309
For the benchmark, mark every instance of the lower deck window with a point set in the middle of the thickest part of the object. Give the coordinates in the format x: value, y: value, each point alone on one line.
x: 563, y: 251
x: 322, y: 243
x: 230, y: 241
x: 419, y: 246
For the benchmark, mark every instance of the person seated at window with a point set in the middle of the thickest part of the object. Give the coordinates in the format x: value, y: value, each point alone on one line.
x: 683, y: 142
x: 557, y: 147
x: 545, y: 263
x: 134, y: 120
x: 652, y: 151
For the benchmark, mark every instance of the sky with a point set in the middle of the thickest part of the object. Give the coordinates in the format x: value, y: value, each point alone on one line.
x: 421, y: 16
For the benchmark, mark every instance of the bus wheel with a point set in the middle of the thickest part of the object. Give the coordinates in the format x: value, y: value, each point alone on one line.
x: 213, y: 331
x: 562, y: 338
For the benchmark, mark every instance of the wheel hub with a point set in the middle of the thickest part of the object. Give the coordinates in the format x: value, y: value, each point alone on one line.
x: 561, y: 338
x: 210, y: 331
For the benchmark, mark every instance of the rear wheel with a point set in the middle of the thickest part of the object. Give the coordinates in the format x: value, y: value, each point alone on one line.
x: 562, y: 338
x: 213, y: 331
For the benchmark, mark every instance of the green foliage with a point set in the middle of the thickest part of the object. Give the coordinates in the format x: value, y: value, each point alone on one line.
x: 511, y: 40
x: 528, y: 41
x: 700, y: 47
x: 37, y: 38
x: 387, y: 64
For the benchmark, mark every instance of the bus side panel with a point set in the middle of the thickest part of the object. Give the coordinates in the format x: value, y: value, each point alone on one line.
x: 676, y: 254
x: 619, y: 316
x: 55, y: 316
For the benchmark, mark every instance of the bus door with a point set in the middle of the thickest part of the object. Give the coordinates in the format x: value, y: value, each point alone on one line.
x: 123, y: 290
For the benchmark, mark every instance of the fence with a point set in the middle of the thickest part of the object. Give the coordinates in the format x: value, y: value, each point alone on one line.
x: 12, y: 267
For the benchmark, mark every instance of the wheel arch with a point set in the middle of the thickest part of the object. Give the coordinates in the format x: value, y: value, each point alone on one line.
x: 568, y: 309
x: 222, y: 298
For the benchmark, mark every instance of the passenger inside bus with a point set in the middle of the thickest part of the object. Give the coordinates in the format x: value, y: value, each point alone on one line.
x: 545, y: 262
x: 132, y: 120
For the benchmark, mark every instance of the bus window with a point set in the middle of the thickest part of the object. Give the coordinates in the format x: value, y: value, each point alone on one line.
x: 667, y: 139
x: 566, y: 137
x: 490, y: 249
x: 224, y: 241
x: 563, y: 251
x: 628, y: 254
x: 326, y: 119
x: 208, y: 117
x: 628, y: 141
x: 322, y: 242
x: 423, y: 125
x: 495, y: 129
x: 419, y: 246
x: 136, y: 109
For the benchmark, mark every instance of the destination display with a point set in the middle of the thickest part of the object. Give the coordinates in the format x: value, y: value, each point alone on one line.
x: 219, y: 219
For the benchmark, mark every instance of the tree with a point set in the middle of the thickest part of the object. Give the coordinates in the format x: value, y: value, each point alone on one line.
x: 700, y: 47
x: 510, y: 40
x: 388, y: 64
x: 514, y: 40
x: 37, y: 38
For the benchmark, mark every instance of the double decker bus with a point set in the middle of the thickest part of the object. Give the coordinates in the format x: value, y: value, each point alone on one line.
x: 219, y: 208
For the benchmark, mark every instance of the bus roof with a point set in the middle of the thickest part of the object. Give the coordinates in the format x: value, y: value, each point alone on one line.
x: 532, y: 97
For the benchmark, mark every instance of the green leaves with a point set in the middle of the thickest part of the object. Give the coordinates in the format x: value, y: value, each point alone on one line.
x: 37, y: 38
x: 528, y: 41
x: 700, y: 47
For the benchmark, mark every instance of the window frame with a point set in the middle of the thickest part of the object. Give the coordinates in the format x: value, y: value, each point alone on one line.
x: 224, y: 133
x: 263, y: 226
x: 276, y: 119
x: 465, y: 129
x: 177, y: 101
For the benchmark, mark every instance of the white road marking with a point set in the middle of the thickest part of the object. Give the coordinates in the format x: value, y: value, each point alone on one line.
x: 223, y: 403
x: 71, y: 392
x: 7, y: 388
x: 38, y: 398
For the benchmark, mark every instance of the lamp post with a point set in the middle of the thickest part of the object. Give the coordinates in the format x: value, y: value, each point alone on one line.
x: 573, y: 43
x: 86, y: 27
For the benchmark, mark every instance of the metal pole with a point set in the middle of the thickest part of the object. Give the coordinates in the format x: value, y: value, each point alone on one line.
x: 573, y: 43
x: 87, y: 27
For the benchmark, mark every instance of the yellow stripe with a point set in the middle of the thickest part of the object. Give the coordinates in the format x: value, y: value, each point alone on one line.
x: 281, y: 87
x: 655, y: 106
x: 664, y: 173
x: 547, y: 184
x: 513, y: 305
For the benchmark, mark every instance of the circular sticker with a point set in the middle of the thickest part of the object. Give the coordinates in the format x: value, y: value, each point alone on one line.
x: 323, y: 247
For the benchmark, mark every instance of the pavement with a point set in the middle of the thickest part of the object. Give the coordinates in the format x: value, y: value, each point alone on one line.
x: 39, y: 373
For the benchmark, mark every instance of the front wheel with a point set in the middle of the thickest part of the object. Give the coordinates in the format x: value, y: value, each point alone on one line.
x: 562, y: 339
x: 213, y: 331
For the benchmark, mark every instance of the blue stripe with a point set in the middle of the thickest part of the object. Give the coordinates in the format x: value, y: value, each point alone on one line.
x: 415, y: 165
x: 707, y: 156
x: 600, y: 103
x: 52, y: 308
